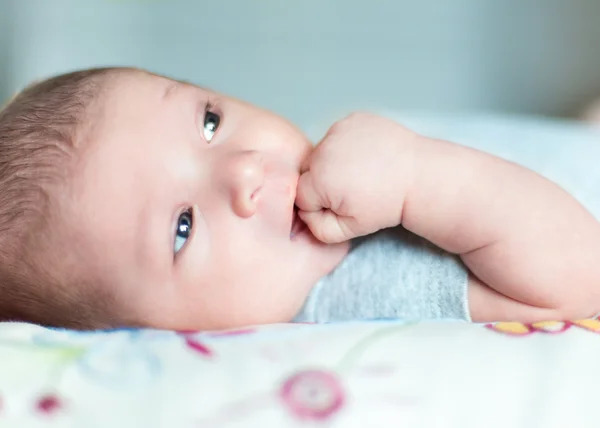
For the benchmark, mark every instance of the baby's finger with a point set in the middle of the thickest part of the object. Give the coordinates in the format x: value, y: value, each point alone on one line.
x: 325, y: 226
x: 307, y: 197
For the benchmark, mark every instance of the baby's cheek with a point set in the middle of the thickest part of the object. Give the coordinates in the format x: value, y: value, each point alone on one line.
x: 288, y: 142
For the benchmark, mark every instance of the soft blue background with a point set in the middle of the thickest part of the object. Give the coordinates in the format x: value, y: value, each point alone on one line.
x: 313, y: 58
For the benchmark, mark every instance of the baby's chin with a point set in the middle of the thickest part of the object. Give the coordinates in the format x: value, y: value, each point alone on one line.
x: 323, y: 260
x: 328, y: 256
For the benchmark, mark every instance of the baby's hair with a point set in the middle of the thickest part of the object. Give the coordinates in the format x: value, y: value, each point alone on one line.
x: 40, y: 130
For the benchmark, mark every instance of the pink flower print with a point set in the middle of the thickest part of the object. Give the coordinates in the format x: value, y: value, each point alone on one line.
x: 522, y: 329
x: 547, y: 327
x: 313, y: 395
x: 197, y: 346
x: 193, y: 339
x: 236, y: 332
x: 48, y: 404
x: 511, y: 328
x: 592, y: 324
x: 551, y: 327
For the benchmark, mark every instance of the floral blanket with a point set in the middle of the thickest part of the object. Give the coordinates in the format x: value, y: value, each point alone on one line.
x: 367, y: 374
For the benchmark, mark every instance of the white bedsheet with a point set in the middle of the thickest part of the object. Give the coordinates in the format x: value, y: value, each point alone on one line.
x: 369, y: 374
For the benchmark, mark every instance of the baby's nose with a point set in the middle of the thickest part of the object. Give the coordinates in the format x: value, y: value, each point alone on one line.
x: 246, y: 175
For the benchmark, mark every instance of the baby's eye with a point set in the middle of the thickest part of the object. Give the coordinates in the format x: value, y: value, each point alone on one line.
x: 211, y: 123
x: 184, y: 230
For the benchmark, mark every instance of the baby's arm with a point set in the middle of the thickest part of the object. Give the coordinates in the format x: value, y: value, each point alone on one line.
x: 532, y: 249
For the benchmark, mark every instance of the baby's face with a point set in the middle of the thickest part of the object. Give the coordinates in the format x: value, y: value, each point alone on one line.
x: 184, y: 203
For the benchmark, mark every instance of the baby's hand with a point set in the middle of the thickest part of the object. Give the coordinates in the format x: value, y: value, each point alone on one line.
x: 356, y: 180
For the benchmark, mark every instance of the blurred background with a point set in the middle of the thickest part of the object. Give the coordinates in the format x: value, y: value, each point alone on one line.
x: 308, y: 59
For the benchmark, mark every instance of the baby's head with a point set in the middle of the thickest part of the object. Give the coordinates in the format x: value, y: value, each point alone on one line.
x: 131, y: 199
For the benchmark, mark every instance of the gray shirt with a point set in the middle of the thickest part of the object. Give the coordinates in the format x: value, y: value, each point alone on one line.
x: 391, y: 274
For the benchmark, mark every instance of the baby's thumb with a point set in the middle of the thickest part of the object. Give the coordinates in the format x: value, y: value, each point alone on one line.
x: 325, y: 225
x: 307, y: 197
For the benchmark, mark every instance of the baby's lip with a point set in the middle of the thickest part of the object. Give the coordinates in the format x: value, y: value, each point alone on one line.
x: 293, y: 208
x: 298, y: 225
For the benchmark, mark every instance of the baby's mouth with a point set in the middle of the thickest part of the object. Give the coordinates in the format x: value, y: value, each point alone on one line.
x: 298, y: 226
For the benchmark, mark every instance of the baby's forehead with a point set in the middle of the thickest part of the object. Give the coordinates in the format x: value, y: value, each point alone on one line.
x: 140, y: 81
x: 111, y: 192
x: 126, y: 105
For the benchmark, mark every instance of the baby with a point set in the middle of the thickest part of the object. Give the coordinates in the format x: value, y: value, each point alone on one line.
x: 130, y: 199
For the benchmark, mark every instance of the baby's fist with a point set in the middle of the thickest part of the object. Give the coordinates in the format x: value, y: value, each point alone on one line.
x: 355, y: 181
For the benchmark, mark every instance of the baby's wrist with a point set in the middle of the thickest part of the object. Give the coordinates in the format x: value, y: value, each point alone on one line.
x: 409, y: 160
